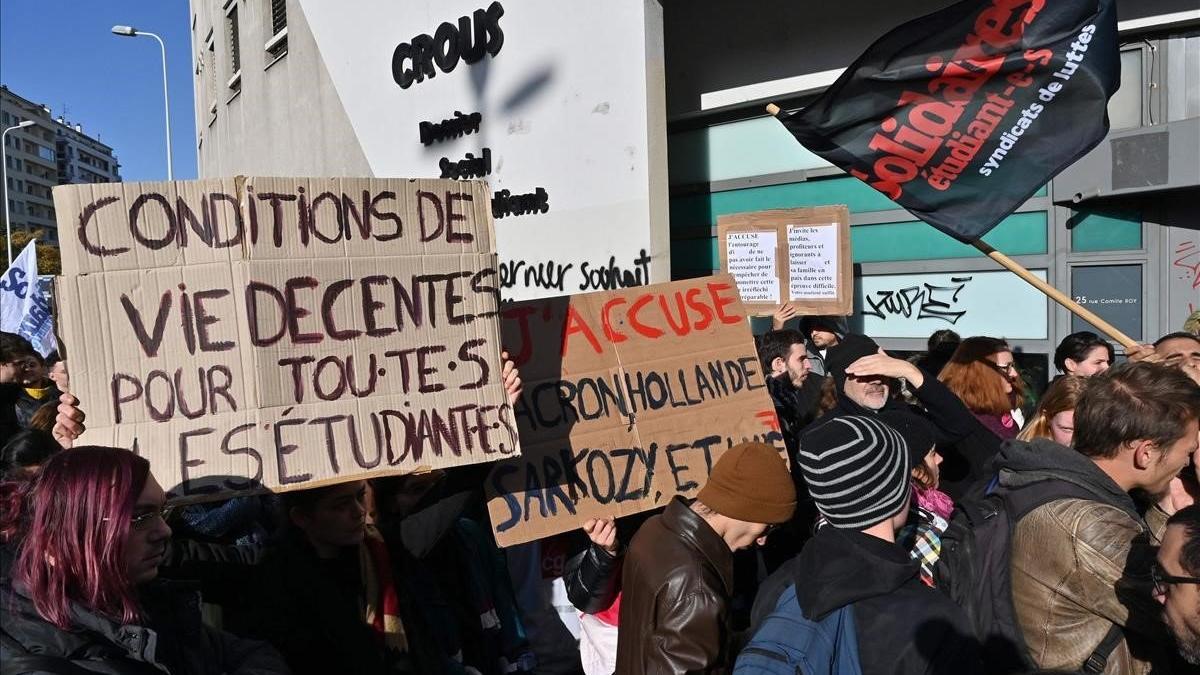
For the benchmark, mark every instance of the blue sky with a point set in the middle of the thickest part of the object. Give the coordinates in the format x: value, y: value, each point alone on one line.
x: 61, y: 52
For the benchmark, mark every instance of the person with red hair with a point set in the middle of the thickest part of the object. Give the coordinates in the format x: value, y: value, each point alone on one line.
x: 984, y: 376
x: 83, y: 595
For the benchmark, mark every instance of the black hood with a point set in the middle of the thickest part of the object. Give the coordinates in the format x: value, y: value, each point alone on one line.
x: 840, y: 567
x: 1021, y: 463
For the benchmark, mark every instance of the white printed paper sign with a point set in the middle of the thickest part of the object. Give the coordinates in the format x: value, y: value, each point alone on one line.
x: 812, y: 262
x: 802, y: 252
x: 751, y: 261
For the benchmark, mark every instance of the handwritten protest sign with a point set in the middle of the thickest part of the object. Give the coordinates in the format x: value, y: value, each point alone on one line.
x: 284, y: 332
x: 630, y: 398
x: 800, y: 256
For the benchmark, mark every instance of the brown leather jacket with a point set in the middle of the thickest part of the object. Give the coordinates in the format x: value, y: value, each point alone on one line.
x: 1080, y: 566
x: 677, y: 579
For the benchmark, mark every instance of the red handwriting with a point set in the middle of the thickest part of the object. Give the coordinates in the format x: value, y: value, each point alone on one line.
x: 1188, y: 258
x: 643, y: 315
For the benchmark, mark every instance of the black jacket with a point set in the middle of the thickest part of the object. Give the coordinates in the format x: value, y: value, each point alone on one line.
x: 172, y: 639
x: 310, y: 610
x: 593, y: 579
x: 903, y: 626
x: 796, y: 407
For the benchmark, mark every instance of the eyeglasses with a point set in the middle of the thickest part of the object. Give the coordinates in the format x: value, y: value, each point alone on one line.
x: 143, y: 521
x: 1003, y: 368
x: 1161, y: 581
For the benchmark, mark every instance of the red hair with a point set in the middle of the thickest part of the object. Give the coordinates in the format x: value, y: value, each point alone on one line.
x: 72, y: 524
x: 974, y: 378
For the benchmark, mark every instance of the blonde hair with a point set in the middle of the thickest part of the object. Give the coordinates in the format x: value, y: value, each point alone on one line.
x: 1063, y: 395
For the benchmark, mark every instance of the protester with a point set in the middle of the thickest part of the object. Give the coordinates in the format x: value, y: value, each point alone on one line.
x: 456, y: 600
x: 324, y: 595
x: 16, y: 355
x: 823, y: 333
x: 941, y: 346
x: 678, y: 572
x: 25, y: 453
x: 83, y: 594
x: 1177, y: 580
x: 983, y: 376
x: 857, y: 470
x: 1055, y: 415
x: 593, y: 580
x: 1192, y: 325
x: 794, y: 390
x: 1181, y: 350
x: 865, y: 378
x: 929, y: 513
x: 1083, y: 354
x: 1080, y: 561
x: 38, y: 390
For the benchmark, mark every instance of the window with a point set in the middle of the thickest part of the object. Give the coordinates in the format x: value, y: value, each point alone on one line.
x: 210, y: 75
x: 235, y: 50
x: 1125, y: 107
x: 277, y: 45
x: 1112, y: 291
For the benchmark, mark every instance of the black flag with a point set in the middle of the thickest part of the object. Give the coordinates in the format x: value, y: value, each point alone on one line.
x: 961, y: 115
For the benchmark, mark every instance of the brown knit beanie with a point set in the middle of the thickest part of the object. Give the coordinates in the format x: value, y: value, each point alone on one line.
x: 751, y: 483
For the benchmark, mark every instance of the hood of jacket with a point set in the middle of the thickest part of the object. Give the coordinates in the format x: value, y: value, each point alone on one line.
x: 840, y: 567
x: 1021, y: 463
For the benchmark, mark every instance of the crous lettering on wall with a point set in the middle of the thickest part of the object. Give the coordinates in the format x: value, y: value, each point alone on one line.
x: 284, y: 333
x: 630, y: 397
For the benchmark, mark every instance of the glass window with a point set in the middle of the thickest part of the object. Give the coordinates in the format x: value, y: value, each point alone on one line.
x: 1018, y: 234
x: 235, y: 51
x: 1125, y: 107
x: 1114, y: 292
x: 1105, y: 230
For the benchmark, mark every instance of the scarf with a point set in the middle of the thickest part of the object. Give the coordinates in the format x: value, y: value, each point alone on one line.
x: 934, y: 500
x: 382, y: 602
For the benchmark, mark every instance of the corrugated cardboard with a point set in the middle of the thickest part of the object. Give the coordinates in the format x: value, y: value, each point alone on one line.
x: 777, y: 220
x: 284, y: 332
x: 596, y: 444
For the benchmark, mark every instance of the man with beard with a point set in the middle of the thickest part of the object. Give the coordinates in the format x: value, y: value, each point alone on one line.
x: 794, y: 390
x: 1177, y: 580
x: 1081, y: 563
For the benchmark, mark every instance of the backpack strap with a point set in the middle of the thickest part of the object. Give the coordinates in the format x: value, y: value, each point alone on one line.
x: 1098, y: 661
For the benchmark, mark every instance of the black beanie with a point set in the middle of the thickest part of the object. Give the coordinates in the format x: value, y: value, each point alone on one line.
x: 850, y: 349
x: 917, y: 432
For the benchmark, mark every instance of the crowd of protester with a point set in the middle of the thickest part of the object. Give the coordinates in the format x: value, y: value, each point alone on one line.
x: 939, y: 514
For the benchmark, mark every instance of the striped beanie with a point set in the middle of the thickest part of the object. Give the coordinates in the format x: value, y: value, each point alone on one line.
x: 856, y: 469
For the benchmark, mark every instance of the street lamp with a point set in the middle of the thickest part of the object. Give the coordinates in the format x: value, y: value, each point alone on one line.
x: 4, y: 179
x: 130, y: 31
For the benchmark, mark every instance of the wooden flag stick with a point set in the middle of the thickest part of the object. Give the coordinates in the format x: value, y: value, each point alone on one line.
x: 1050, y: 291
x: 1056, y: 295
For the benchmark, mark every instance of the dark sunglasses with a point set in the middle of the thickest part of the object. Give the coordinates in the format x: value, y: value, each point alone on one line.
x: 1161, y: 581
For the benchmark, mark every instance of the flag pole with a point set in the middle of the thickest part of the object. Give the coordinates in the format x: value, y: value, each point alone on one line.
x: 1050, y: 291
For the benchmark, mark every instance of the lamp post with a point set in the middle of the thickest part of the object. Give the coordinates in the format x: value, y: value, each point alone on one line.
x: 130, y: 31
x: 4, y: 179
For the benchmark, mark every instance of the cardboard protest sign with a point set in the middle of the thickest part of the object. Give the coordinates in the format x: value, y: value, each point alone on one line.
x: 801, y: 256
x: 284, y: 332
x: 630, y: 398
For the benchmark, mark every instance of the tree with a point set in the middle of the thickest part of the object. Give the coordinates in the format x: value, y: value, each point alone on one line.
x: 49, y: 258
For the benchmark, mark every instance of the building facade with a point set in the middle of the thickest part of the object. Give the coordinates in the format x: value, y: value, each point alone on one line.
x: 36, y: 158
x: 1122, y: 238
x: 31, y: 164
x: 1118, y: 230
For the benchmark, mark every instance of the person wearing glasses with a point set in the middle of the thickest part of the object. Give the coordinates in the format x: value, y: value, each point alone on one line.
x: 84, y: 595
x: 983, y: 375
x: 1177, y: 580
